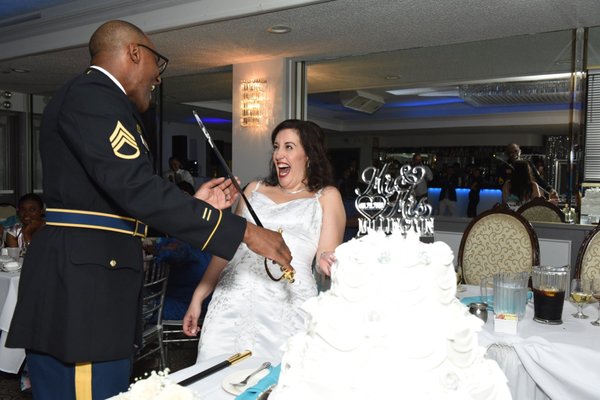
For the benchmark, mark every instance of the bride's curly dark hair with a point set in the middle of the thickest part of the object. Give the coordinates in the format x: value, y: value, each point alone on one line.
x: 319, y: 172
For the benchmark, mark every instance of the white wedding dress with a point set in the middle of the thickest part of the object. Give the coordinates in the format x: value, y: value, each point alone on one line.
x: 248, y: 310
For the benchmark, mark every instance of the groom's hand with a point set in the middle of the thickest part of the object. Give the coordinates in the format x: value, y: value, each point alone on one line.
x: 267, y: 243
x: 220, y: 193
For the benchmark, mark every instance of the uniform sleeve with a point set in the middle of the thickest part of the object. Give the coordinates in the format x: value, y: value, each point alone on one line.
x: 104, y: 133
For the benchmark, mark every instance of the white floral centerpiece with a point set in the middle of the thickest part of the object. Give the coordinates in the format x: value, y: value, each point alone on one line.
x: 157, y: 386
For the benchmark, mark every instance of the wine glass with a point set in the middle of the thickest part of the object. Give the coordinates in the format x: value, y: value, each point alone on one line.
x: 581, y: 293
x: 596, y: 295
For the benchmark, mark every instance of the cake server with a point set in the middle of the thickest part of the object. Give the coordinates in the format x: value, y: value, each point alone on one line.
x: 236, y: 358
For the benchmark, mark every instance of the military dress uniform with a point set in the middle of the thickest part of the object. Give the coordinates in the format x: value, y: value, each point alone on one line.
x: 81, y: 280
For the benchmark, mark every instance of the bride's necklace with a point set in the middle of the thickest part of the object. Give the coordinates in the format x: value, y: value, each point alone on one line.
x: 292, y: 191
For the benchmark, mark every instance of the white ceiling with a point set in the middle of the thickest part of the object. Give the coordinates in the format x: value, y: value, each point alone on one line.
x: 204, y: 38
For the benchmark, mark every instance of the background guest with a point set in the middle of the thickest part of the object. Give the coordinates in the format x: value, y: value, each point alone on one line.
x: 448, y: 184
x: 513, y: 153
x: 177, y: 173
x: 475, y: 181
x: 30, y: 209
x: 521, y: 187
x: 421, y: 188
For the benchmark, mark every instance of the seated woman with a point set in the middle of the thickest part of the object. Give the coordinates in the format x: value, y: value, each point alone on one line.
x: 521, y: 187
x: 30, y: 210
x: 248, y: 309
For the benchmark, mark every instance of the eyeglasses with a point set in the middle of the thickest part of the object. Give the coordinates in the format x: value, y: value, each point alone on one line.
x: 161, y: 61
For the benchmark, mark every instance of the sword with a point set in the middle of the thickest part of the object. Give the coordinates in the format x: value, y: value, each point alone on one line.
x: 288, y: 272
x: 227, y: 170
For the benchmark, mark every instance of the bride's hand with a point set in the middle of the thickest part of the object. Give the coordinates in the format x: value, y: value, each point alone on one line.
x: 190, y: 320
x: 326, y: 260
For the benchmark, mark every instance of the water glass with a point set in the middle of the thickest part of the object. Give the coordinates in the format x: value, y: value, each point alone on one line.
x: 510, y: 292
x: 13, y: 252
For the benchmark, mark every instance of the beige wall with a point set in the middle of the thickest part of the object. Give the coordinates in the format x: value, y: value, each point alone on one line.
x: 252, y: 145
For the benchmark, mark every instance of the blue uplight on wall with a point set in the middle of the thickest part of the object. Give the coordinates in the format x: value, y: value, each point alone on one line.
x: 424, y: 103
x: 209, y: 120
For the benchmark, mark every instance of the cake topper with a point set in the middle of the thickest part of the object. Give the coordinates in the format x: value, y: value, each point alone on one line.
x: 389, y: 204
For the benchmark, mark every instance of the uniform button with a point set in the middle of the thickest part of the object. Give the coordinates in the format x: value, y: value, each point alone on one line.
x: 113, y: 263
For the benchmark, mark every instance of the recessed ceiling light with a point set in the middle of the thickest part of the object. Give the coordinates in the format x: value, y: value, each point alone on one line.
x: 279, y: 29
x: 19, y: 70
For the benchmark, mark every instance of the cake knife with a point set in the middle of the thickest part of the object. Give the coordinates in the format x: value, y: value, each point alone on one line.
x: 215, y: 368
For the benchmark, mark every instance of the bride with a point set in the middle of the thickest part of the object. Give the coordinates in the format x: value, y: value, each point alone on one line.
x: 248, y: 310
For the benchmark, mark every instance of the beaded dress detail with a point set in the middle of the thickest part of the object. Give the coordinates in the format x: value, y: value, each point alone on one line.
x: 248, y: 310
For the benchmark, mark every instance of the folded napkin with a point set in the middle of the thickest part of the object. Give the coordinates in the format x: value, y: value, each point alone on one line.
x: 269, y: 380
x: 489, y: 300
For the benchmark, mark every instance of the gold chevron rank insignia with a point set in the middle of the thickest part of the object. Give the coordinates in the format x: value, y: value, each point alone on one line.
x: 123, y: 143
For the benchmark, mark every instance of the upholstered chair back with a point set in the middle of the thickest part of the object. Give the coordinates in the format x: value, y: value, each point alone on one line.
x: 498, y: 240
x: 588, y: 258
x: 541, y: 210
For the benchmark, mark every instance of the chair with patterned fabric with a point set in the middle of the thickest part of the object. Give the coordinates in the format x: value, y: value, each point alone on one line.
x: 541, y: 210
x: 498, y: 240
x: 588, y: 258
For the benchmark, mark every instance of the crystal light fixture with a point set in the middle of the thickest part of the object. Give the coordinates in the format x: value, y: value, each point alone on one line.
x: 254, y: 97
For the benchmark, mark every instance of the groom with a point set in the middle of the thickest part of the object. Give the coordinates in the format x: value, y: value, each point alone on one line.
x: 81, y: 280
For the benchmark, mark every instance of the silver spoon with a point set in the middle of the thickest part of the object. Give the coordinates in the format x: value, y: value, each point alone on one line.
x: 245, y: 381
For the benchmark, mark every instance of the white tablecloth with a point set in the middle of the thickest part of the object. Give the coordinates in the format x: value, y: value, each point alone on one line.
x: 10, y: 359
x: 210, y: 388
x: 558, y: 362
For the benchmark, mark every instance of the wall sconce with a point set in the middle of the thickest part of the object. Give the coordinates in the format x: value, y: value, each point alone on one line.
x: 254, y: 97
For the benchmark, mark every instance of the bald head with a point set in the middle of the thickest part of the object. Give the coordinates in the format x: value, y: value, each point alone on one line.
x: 513, y: 152
x: 128, y: 55
x: 112, y: 36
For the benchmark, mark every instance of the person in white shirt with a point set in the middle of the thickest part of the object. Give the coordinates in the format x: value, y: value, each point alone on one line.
x: 177, y: 174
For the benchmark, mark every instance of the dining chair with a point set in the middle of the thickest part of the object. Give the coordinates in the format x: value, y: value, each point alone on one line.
x: 541, y: 210
x: 498, y: 240
x: 588, y: 257
x: 153, y: 299
x: 173, y: 334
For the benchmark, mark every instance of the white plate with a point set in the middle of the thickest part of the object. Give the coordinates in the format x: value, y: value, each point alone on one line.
x: 238, y: 376
x: 4, y: 269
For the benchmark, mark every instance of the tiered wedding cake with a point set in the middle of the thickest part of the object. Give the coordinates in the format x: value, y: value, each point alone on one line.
x: 389, y: 327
